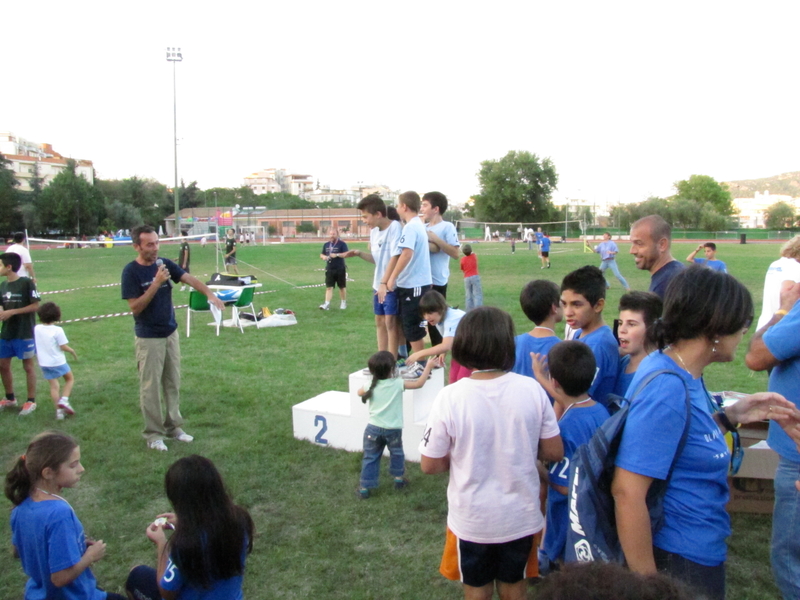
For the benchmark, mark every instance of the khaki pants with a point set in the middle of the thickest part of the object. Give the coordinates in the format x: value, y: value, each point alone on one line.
x: 159, y: 362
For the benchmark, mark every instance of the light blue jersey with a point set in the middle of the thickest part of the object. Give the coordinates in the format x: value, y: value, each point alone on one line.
x: 382, y: 245
x: 417, y: 272
x: 440, y: 261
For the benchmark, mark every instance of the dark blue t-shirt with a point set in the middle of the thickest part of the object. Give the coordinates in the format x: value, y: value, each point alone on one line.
x: 661, y: 278
x: 337, y: 247
x: 157, y: 320
x: 577, y: 426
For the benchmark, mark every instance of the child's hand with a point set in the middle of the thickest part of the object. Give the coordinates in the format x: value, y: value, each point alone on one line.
x: 95, y: 551
x: 539, y: 365
x: 155, y: 533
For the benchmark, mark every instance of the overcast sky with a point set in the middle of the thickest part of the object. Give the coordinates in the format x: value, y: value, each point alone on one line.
x: 625, y: 97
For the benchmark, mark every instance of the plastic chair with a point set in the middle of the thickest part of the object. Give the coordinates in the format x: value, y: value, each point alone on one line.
x: 197, y: 303
x: 244, y: 300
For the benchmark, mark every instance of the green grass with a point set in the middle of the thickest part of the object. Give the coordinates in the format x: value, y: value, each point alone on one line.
x: 314, y: 539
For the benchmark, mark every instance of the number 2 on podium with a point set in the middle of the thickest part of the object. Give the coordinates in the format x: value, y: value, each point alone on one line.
x: 319, y: 419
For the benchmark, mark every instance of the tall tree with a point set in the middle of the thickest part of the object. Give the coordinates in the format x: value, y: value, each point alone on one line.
x: 516, y: 188
x: 9, y: 197
x: 780, y: 216
x: 71, y: 204
x: 706, y: 190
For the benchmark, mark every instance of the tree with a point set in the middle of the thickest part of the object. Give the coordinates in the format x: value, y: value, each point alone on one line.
x: 780, y: 216
x: 706, y: 190
x: 516, y: 188
x: 9, y: 198
x: 30, y: 201
x: 70, y: 203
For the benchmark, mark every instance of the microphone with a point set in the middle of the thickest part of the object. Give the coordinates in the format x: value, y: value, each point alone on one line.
x: 159, y: 264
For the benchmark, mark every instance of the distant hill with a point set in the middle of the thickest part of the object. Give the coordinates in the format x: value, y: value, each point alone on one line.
x: 786, y: 184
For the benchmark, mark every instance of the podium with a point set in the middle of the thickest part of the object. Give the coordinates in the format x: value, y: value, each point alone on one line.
x: 338, y: 419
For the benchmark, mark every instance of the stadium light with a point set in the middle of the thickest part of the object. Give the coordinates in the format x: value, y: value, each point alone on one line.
x: 174, y: 55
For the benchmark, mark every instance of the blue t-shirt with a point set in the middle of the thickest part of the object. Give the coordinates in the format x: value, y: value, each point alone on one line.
x: 525, y: 344
x: 49, y: 538
x: 623, y: 379
x: 222, y: 589
x: 605, y: 250
x: 545, y: 244
x: 714, y: 265
x: 539, y: 236
x: 695, y: 521
x: 337, y: 247
x: 157, y: 320
x: 381, y: 245
x: 661, y: 278
x: 417, y: 272
x: 783, y: 342
x: 577, y: 427
x: 606, y: 354
x: 440, y: 261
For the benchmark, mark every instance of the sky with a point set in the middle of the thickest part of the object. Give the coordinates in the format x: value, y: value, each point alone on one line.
x: 624, y: 97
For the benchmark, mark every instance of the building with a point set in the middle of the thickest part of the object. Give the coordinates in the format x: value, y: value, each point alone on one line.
x: 326, y: 194
x: 286, y: 223
x: 280, y: 180
x: 751, y: 211
x: 26, y: 155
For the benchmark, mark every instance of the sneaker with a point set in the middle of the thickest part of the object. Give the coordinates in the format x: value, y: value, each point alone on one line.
x: 362, y: 493
x: 400, y: 483
x: 183, y: 437
x: 325, y: 306
x: 60, y: 414
x: 157, y: 445
x: 64, y: 405
x: 343, y: 305
x: 6, y: 403
x: 27, y: 408
x: 413, y: 371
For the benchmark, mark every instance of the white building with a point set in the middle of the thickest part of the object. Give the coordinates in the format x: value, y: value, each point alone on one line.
x: 25, y: 155
x: 751, y: 211
x: 326, y: 194
x: 280, y: 180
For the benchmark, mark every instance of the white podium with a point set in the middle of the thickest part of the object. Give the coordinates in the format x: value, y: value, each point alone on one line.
x: 338, y: 419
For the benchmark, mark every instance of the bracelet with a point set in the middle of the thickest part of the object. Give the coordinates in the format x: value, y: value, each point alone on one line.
x: 725, y: 421
x: 384, y: 282
x: 782, y: 312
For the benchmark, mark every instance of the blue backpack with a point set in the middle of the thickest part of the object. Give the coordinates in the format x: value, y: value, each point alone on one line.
x: 592, y: 531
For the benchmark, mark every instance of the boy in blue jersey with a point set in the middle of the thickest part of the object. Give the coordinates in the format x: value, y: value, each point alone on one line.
x: 544, y: 251
x: 710, y: 261
x: 571, y: 371
x: 541, y: 302
x: 409, y: 270
x: 583, y: 297
x: 638, y: 312
x: 443, y: 245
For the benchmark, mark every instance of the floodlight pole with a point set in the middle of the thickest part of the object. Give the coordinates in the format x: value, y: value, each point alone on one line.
x: 174, y: 56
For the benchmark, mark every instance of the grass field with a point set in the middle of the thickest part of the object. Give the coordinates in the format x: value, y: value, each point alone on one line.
x: 314, y: 539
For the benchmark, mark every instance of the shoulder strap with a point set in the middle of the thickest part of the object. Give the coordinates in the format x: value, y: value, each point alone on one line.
x: 642, y: 384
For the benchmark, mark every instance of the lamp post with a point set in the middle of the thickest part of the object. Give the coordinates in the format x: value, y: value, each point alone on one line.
x: 174, y: 56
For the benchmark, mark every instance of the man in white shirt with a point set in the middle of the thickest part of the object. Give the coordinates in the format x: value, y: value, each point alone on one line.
x: 26, y: 270
x: 786, y: 268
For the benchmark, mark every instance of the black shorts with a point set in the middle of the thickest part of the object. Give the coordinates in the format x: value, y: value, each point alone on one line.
x: 481, y: 564
x: 336, y: 277
x: 545, y: 254
x: 408, y: 309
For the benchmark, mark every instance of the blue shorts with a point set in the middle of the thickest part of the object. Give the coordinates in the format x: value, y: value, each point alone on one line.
x: 21, y: 349
x: 389, y: 305
x: 55, y: 372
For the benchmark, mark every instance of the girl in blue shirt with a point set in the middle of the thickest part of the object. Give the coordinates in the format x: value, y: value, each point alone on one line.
x: 705, y: 316
x: 46, y: 534
x: 204, y: 558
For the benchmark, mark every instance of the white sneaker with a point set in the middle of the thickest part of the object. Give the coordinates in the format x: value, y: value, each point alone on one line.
x: 325, y: 306
x: 60, y: 414
x: 343, y: 305
x: 184, y: 437
x: 64, y: 405
x: 158, y: 445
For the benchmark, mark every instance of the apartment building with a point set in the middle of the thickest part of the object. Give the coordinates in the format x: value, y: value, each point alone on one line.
x: 26, y: 155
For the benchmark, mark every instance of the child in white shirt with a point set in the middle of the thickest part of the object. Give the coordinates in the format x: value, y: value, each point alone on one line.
x: 51, y: 343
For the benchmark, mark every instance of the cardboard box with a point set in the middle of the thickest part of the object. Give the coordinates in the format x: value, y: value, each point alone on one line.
x: 751, y: 495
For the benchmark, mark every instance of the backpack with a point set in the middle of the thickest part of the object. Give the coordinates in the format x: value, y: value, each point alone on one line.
x: 592, y: 531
